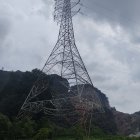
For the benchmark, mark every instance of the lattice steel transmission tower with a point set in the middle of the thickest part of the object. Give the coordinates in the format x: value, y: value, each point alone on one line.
x: 64, y: 88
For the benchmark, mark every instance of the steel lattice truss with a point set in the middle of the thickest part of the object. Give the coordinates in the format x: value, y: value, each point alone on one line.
x: 64, y: 76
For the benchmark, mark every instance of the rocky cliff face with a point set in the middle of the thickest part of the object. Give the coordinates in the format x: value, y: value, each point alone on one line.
x: 127, y: 124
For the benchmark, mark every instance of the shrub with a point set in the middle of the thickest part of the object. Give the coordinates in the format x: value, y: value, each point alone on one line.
x: 43, y: 134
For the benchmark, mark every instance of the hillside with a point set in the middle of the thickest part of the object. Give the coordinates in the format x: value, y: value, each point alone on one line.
x: 15, y: 86
x: 127, y: 124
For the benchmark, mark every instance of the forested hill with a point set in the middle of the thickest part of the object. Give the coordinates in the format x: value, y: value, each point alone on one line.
x: 15, y: 86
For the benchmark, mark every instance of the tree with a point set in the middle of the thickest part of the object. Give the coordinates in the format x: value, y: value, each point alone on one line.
x: 79, y: 132
x: 43, y: 133
x: 5, y: 126
x: 24, y: 128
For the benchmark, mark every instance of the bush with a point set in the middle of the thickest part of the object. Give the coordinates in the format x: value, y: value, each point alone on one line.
x: 5, y: 127
x: 79, y: 132
x: 23, y: 129
x: 43, y: 134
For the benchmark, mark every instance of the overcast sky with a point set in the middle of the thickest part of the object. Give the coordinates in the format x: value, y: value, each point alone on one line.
x: 107, y: 36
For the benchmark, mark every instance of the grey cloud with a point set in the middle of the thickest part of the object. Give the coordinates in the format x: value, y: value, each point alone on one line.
x: 117, y: 13
x: 5, y: 27
x: 28, y: 37
x: 124, y: 12
x: 47, y: 10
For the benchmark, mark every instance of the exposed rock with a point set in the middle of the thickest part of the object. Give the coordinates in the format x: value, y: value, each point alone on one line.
x: 135, y: 135
x: 127, y: 124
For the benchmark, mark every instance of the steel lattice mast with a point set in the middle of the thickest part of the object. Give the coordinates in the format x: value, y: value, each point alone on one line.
x: 64, y: 63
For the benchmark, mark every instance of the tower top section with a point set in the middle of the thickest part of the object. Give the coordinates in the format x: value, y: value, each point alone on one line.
x: 65, y: 9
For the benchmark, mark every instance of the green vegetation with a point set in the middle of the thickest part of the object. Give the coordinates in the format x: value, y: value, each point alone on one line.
x: 14, y: 88
x: 104, y: 138
x: 99, y: 138
x: 43, y: 130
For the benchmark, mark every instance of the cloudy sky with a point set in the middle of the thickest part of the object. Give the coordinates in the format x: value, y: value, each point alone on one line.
x: 107, y: 36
